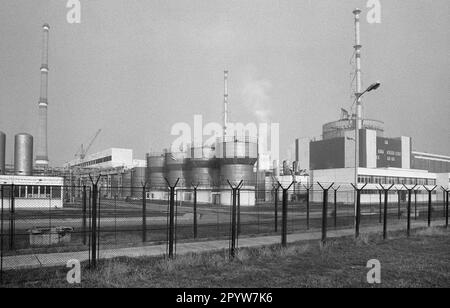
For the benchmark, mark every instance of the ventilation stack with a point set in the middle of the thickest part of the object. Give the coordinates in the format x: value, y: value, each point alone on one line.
x: 41, y: 152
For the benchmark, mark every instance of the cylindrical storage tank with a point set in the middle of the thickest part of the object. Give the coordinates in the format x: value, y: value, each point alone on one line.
x: 176, y: 168
x: 114, y: 185
x: 202, y: 172
x: 137, y: 181
x: 237, y: 157
x: 2, y: 152
x: 126, y: 184
x: 23, y: 154
x: 237, y: 172
x: 155, y: 171
x: 201, y: 167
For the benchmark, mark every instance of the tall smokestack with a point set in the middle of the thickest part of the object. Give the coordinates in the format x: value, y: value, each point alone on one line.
x: 225, y: 103
x: 358, y: 47
x: 41, y: 151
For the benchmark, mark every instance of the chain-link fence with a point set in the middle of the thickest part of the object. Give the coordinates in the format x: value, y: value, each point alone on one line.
x: 47, y: 226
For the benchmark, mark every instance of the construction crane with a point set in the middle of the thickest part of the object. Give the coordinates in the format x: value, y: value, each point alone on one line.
x: 83, y: 150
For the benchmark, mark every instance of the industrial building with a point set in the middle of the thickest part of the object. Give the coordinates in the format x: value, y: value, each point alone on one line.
x: 32, y: 191
x: 337, y: 149
x: 122, y: 175
x: 382, y: 161
x: 431, y: 162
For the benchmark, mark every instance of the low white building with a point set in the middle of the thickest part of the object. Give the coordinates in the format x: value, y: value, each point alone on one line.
x: 107, y: 159
x: 31, y: 191
x: 374, y: 179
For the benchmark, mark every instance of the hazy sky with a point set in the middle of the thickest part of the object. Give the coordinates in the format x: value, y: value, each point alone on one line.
x: 135, y: 67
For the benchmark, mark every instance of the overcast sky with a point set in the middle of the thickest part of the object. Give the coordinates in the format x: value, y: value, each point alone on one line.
x: 135, y: 67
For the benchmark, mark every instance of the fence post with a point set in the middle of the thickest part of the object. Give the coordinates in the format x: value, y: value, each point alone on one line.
x: 445, y: 201
x: 446, y: 211
x: 233, y: 225
x: 358, y: 208
x: 335, y: 205
x: 84, y: 209
x: 430, y: 191
x: 307, y: 205
x: 444, y: 192
x: 324, y: 211
x: 171, y: 217
x: 195, y: 211
x: 144, y: 213
x: 415, y: 204
x: 284, y: 218
x: 1, y: 236
x: 94, y: 222
x: 239, y: 211
x: 276, y: 189
x: 284, y: 213
x: 99, y: 217
x: 12, y: 218
x: 408, y: 224
x: 398, y: 204
x: 380, y: 211
x: 386, y: 195
x: 234, y: 235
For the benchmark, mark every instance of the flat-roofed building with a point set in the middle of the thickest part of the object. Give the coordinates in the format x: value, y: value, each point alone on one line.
x: 31, y: 191
x: 431, y: 162
x: 374, y: 179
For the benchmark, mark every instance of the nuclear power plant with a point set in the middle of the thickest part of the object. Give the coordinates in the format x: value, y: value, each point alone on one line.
x: 233, y: 157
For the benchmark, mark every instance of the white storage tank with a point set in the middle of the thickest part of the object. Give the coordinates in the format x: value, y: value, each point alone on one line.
x: 23, y: 154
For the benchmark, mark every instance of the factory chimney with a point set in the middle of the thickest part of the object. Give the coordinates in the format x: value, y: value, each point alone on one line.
x: 358, y: 47
x: 225, y: 104
x: 41, y: 151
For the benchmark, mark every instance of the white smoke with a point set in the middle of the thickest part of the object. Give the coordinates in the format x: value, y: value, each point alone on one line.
x: 255, y: 96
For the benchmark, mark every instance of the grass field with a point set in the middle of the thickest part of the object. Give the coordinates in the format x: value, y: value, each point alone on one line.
x: 423, y: 260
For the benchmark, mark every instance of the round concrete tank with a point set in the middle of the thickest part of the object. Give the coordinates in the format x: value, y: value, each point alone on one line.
x: 176, y: 168
x: 338, y: 129
x: 201, y: 166
x: 23, y: 154
x: 114, y: 185
x: 155, y: 171
x: 2, y: 152
x: 237, y: 156
x: 137, y: 181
